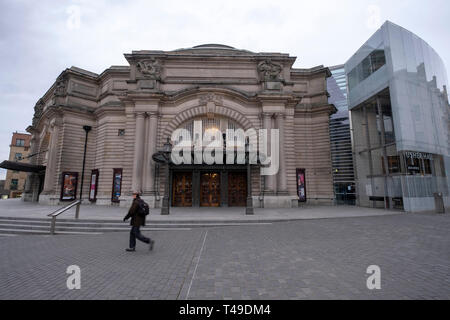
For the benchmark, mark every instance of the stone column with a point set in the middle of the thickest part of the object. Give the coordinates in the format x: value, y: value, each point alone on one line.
x: 50, y: 171
x: 136, y: 183
x: 282, y: 181
x: 30, y: 176
x: 149, y: 187
x: 269, y: 180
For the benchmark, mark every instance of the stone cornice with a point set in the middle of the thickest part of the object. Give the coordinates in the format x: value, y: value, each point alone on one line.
x: 114, y: 70
x: 278, y: 98
x: 312, y: 108
x: 310, y: 72
x: 110, y: 108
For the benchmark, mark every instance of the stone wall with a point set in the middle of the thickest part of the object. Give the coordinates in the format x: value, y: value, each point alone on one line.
x: 160, y: 90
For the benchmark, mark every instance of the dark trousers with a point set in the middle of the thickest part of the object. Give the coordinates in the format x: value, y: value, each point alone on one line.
x: 136, y: 233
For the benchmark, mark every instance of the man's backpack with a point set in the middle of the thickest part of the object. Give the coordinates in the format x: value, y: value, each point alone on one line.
x: 143, y: 208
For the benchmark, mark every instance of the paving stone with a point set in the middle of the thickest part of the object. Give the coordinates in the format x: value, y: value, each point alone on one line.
x: 311, y: 259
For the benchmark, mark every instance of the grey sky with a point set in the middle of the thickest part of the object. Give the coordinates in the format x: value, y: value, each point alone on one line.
x: 40, y: 39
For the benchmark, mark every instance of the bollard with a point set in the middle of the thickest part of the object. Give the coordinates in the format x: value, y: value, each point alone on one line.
x: 439, y: 203
x: 77, y: 213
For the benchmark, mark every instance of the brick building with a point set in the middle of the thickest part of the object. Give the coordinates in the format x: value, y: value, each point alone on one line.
x: 19, y: 151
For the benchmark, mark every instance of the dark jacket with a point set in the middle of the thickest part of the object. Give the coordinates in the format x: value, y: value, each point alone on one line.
x: 136, y: 219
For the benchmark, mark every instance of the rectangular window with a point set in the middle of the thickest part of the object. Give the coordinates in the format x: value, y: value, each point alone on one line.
x: 352, y: 79
x: 413, y: 166
x: 69, y: 186
x: 378, y: 59
x: 117, y: 185
x: 14, y: 184
x: 366, y: 69
x: 18, y: 157
x: 388, y: 123
x: 20, y: 142
x: 427, y: 166
x: 374, y: 61
x: 394, y: 164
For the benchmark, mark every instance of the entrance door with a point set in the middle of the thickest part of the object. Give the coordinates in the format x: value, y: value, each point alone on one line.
x: 237, y: 189
x: 182, y: 189
x: 210, y: 189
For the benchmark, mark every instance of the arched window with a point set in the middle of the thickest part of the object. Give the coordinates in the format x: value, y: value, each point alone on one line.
x: 216, y: 123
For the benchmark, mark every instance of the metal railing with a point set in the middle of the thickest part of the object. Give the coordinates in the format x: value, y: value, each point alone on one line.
x: 55, y: 214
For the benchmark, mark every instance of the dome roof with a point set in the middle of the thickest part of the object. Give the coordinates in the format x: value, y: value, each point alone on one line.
x: 213, y: 47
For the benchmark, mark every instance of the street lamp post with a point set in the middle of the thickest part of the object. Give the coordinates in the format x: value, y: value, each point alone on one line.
x: 167, y: 150
x: 86, y: 129
x: 249, y: 208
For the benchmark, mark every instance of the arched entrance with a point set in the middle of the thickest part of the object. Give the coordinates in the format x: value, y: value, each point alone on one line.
x: 203, y: 185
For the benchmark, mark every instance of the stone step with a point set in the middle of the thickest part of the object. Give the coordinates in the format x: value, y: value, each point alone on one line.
x: 13, y: 232
x: 151, y: 220
x: 121, y: 224
x: 100, y: 229
x: 10, y: 226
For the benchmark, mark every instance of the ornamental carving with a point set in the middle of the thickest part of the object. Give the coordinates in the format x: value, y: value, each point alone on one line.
x: 38, y: 110
x: 150, y: 68
x: 270, y: 71
x: 210, y: 97
x: 211, y: 101
x: 61, y: 86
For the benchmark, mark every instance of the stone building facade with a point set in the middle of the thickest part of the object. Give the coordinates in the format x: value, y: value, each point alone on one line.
x: 134, y: 109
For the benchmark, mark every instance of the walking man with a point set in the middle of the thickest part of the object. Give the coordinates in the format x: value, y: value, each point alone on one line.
x: 137, y: 215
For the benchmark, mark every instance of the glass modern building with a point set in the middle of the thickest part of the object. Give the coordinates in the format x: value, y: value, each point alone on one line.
x: 397, y: 95
x: 340, y: 138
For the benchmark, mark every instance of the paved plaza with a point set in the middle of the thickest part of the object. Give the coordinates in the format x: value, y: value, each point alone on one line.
x: 306, y: 259
x: 21, y: 209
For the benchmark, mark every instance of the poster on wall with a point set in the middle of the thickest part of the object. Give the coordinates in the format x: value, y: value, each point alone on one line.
x: 117, y: 185
x: 301, y: 185
x: 93, y: 186
x: 69, y: 186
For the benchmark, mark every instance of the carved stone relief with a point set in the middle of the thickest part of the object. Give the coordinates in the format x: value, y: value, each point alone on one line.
x: 270, y: 71
x: 150, y: 68
x: 38, y: 110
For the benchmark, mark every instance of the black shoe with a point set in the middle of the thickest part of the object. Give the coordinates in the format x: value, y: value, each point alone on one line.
x: 130, y: 249
x: 151, y: 244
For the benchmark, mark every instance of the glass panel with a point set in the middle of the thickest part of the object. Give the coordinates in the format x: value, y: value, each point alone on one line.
x: 378, y: 59
x: 373, y: 124
x: 386, y: 110
x: 369, y: 65
x: 394, y: 164
x: 218, y: 123
x: 413, y: 166
x: 352, y: 79
x: 427, y: 166
x: 366, y: 69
